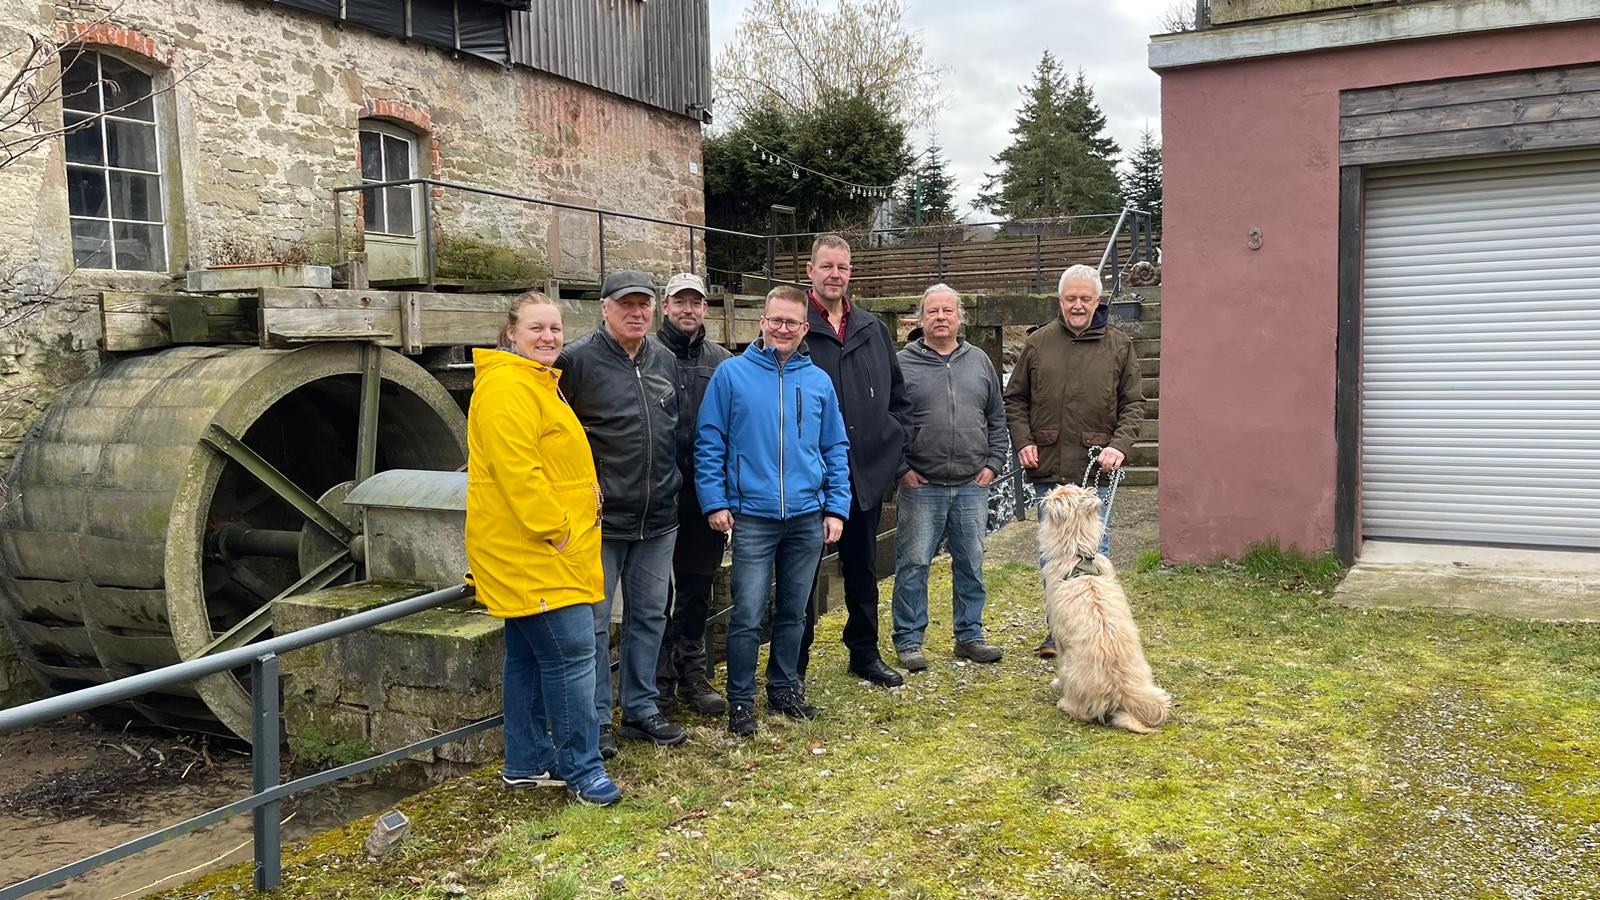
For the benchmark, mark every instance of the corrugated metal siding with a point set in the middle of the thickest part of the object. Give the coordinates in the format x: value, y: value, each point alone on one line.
x: 657, y: 52
x: 1481, y: 345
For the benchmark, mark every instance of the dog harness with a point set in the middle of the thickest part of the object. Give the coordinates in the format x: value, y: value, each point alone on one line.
x: 1081, y: 567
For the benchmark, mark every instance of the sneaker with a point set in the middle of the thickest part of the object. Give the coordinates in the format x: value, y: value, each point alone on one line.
x: 655, y: 729
x: 547, y: 778
x: 911, y: 658
x: 698, y: 693
x: 979, y: 651
x: 599, y: 791
x: 608, y: 742
x: 1046, y: 648
x: 792, y: 703
x: 741, y: 720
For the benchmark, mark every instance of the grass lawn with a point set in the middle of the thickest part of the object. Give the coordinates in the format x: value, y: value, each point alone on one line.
x: 1316, y: 752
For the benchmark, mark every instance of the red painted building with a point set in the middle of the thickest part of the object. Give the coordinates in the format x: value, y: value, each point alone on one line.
x: 1382, y: 276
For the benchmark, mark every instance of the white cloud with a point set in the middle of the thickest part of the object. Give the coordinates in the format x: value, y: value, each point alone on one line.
x: 990, y: 48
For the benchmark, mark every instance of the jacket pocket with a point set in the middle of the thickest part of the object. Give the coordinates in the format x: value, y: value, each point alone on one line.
x: 1046, y: 437
x: 1096, y: 439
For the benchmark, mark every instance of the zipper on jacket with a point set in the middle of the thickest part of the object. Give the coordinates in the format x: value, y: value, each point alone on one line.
x: 649, y: 445
x: 783, y: 507
x: 950, y: 387
x: 799, y: 417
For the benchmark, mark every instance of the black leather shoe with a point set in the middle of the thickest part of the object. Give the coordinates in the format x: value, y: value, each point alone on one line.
x: 655, y: 729
x: 608, y: 742
x: 879, y: 673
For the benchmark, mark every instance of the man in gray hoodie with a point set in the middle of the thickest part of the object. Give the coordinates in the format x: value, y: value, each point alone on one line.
x: 958, y: 447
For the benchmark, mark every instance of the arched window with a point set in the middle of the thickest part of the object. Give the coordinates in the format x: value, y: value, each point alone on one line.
x: 114, y: 165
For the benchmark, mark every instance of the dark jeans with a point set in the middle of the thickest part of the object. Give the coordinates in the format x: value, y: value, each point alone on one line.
x: 858, y: 561
x: 792, y: 547
x: 548, y: 690
x: 644, y: 569
x: 683, y: 647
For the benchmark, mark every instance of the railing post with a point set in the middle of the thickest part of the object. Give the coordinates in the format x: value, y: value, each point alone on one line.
x: 1038, y: 263
x: 600, y: 219
x: 427, y: 232
x: 691, y: 250
x: 264, y: 770
x: 1149, y: 236
x: 771, y: 274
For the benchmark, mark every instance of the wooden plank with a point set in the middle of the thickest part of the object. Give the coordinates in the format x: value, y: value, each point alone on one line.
x: 1347, y: 356
x: 1473, y: 142
x: 132, y: 321
x: 1516, y: 111
x: 411, y: 324
x: 1543, y: 82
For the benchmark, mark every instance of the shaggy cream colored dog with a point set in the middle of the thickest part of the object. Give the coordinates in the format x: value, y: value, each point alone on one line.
x: 1102, y: 675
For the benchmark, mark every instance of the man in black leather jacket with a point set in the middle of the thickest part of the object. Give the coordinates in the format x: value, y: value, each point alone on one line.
x: 622, y: 386
x: 858, y: 353
x: 681, y: 667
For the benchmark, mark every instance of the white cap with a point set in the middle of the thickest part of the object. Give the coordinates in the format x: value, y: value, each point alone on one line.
x: 684, y: 281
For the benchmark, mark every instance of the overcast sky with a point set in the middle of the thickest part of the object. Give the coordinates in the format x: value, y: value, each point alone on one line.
x: 990, y: 47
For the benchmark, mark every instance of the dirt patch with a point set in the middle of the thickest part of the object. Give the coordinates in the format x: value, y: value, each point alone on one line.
x: 1135, y: 528
x: 72, y: 788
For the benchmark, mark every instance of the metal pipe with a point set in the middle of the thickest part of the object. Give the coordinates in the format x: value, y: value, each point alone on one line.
x: 600, y: 217
x: 264, y: 739
x: 1038, y: 263
x: 236, y: 541
x: 184, y: 672
x: 1113, y: 242
x: 505, y: 195
x: 427, y: 234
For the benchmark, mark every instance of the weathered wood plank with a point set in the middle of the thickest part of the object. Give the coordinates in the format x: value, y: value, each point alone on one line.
x: 1461, y: 117
x: 1544, y: 82
x: 132, y: 321
x: 1473, y: 142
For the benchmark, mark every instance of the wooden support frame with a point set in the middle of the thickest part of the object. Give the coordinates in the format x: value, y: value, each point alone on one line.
x: 1347, y: 354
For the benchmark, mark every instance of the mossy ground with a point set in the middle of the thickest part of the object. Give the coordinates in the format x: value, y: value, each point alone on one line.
x: 1316, y: 752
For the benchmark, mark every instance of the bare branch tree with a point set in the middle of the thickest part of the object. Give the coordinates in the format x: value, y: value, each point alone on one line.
x: 1178, y: 17
x: 793, y: 54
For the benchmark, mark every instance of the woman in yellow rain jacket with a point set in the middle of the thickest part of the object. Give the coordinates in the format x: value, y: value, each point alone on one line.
x: 533, y: 544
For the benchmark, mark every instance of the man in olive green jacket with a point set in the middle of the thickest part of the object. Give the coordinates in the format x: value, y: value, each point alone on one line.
x: 1075, y: 386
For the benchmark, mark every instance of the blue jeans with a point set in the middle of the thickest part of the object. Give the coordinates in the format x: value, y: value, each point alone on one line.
x: 548, y: 690
x: 924, y: 516
x: 794, y: 546
x: 645, y: 570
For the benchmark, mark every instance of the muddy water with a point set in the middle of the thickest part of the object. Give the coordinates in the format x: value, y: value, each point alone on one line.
x: 71, y: 789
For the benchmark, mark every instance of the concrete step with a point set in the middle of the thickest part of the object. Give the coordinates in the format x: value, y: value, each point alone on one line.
x: 1555, y: 585
x: 1149, y: 429
x: 1147, y: 348
x: 1152, y: 387
x: 1150, y: 311
x: 1139, y: 476
x: 1150, y: 367
x: 1145, y: 453
x: 1152, y: 408
x: 1150, y: 328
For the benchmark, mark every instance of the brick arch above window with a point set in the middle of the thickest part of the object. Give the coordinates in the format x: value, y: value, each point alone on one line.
x: 401, y: 112
x: 100, y: 35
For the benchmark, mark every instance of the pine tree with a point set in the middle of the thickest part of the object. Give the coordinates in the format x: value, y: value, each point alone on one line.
x: 1142, y: 186
x: 1060, y: 162
x: 928, y: 196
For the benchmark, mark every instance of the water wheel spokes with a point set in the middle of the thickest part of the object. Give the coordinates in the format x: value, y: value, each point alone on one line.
x: 259, y: 621
x: 220, y: 440
x: 367, y: 421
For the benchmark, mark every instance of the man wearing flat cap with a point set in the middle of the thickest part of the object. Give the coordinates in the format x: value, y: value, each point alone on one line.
x: 681, y: 668
x: 622, y: 386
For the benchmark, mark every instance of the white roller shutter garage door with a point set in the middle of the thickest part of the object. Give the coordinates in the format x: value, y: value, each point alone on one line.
x: 1481, y: 351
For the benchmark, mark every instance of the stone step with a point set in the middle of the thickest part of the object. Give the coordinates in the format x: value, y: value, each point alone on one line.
x: 1149, y: 429
x: 1150, y: 328
x: 1139, y: 476
x: 1152, y: 387
x: 1150, y: 311
x: 1147, y: 348
x: 1145, y: 453
x: 1152, y: 407
x: 1150, y: 367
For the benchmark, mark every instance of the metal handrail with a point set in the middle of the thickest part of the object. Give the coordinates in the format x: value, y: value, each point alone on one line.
x: 267, y: 793
x: 1142, y: 226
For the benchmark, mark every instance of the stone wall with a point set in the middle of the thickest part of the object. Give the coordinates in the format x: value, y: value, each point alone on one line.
x: 259, y: 108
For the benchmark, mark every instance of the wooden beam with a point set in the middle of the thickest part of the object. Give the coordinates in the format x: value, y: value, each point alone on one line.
x: 143, y: 321
x: 1347, y: 366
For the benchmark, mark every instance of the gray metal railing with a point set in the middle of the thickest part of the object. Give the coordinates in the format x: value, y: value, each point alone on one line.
x: 430, y: 263
x: 268, y: 792
x: 1138, y: 224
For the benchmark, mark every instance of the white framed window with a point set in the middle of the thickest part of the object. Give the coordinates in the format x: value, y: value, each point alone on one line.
x: 114, y: 166
x: 389, y: 154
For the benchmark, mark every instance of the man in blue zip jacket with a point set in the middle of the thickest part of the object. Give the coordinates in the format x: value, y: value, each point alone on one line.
x: 772, y: 465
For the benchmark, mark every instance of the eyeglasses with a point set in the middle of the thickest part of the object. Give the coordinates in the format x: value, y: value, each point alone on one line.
x: 782, y: 324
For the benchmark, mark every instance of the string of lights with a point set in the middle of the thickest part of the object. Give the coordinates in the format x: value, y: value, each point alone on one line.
x: 856, y: 190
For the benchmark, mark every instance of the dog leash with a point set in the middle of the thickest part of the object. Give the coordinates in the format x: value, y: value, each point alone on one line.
x: 1112, y: 479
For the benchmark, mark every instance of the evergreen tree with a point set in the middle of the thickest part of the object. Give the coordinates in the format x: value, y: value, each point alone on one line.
x: 928, y: 196
x: 1142, y: 186
x: 1060, y: 161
